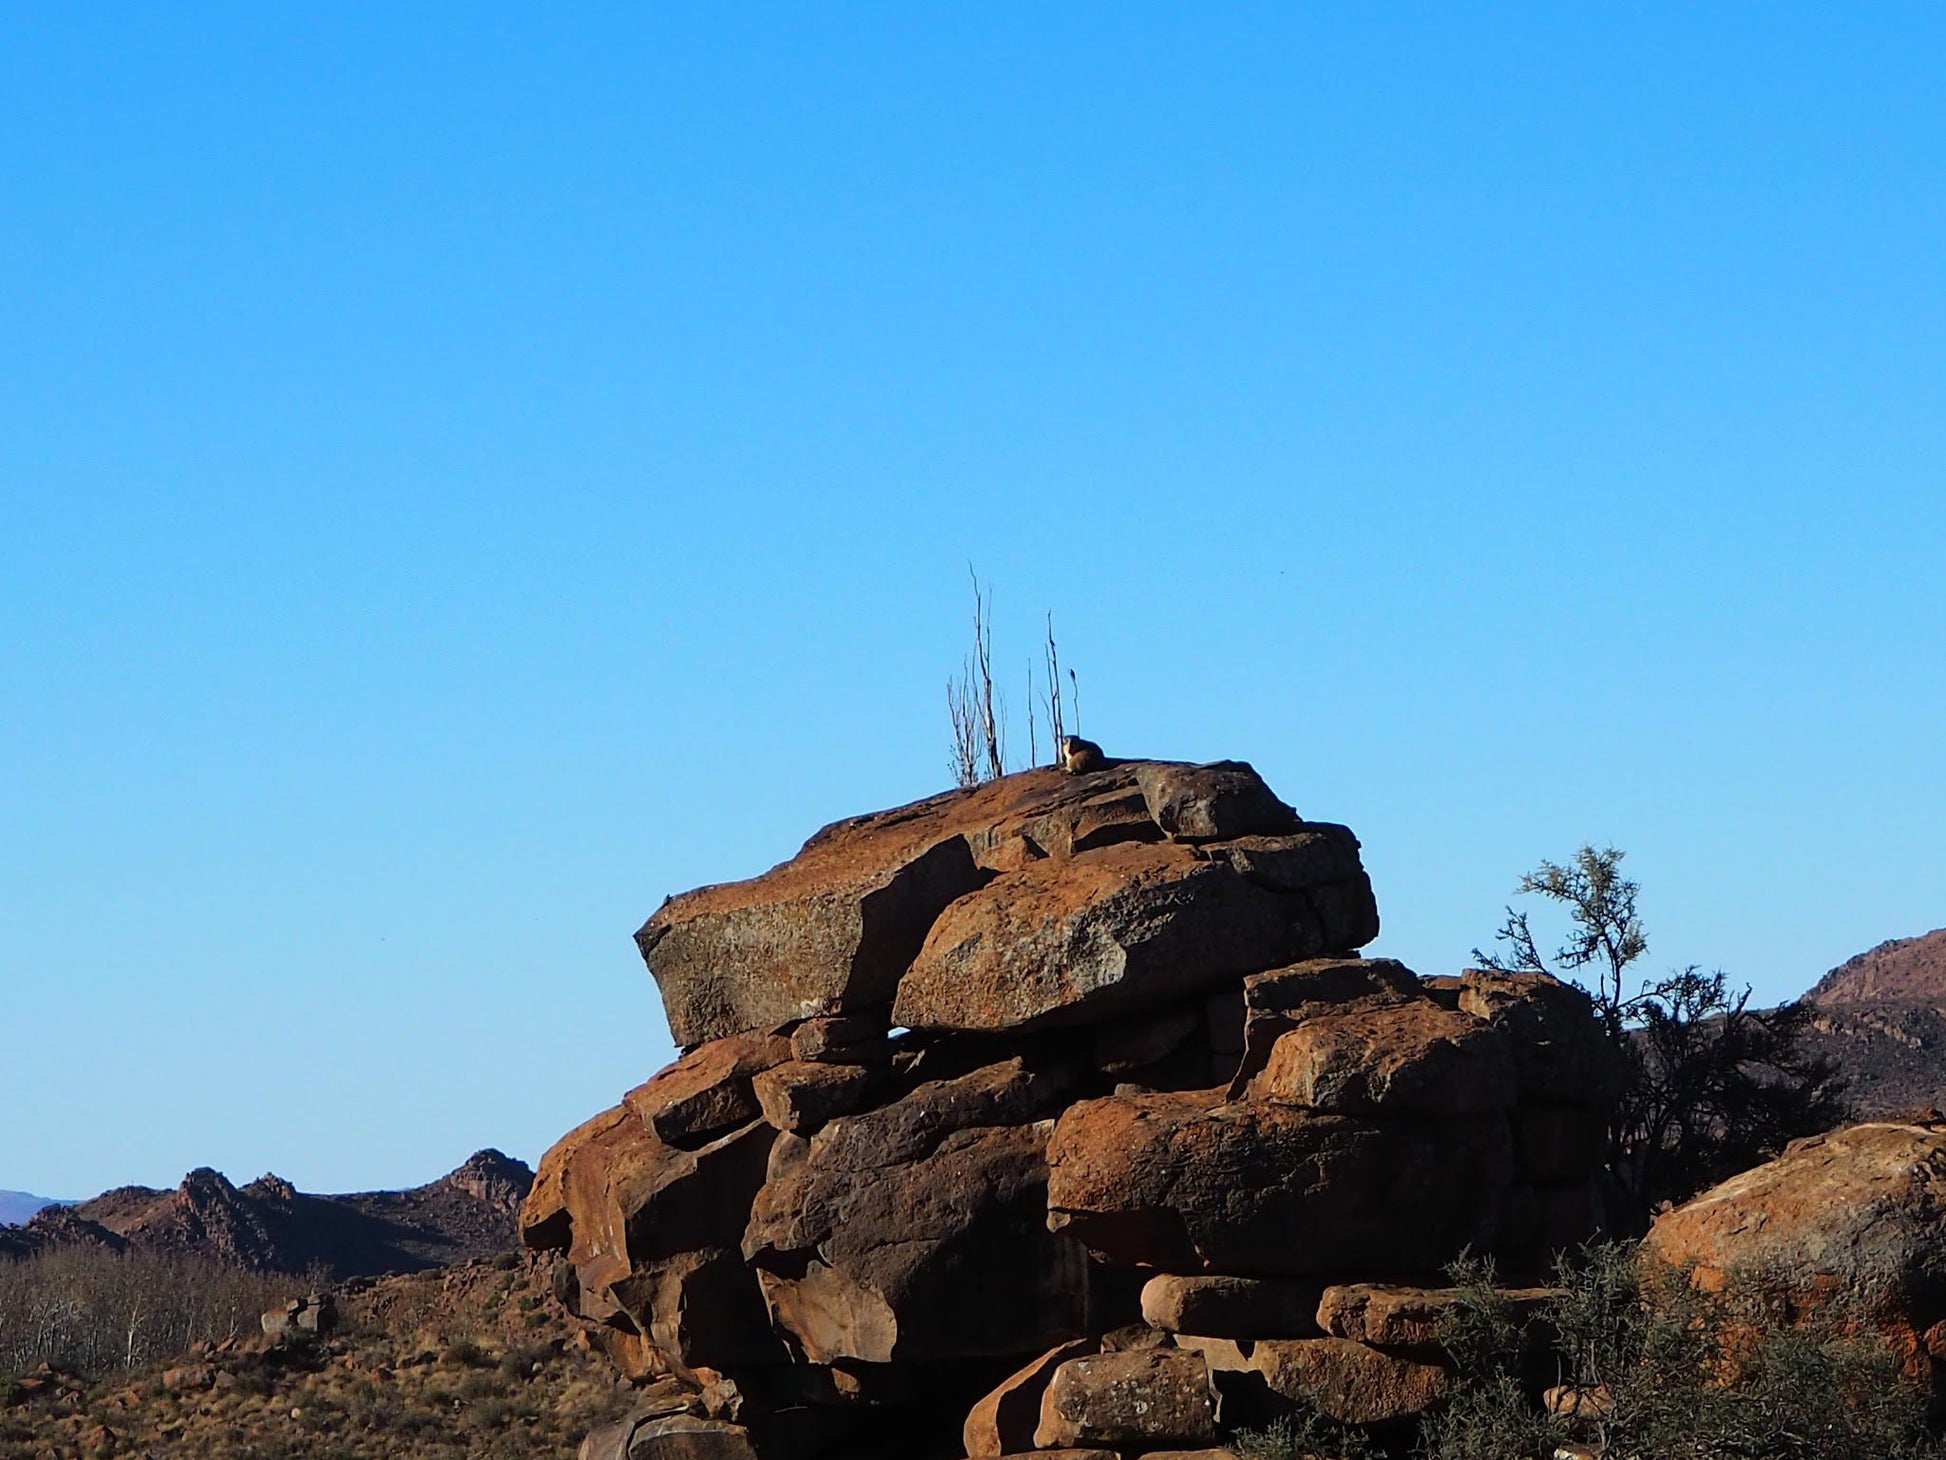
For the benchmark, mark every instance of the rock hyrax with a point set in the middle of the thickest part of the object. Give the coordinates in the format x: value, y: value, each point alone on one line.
x: 1079, y: 756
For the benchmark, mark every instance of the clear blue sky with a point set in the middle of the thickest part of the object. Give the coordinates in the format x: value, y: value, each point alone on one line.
x: 469, y: 471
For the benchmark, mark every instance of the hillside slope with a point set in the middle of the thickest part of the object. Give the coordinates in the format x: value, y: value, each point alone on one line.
x: 270, y: 1226
x: 1882, y: 1021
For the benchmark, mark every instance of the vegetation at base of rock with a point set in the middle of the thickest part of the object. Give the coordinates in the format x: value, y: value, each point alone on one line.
x: 94, y: 1312
x: 1668, y: 1370
x: 1305, y: 1437
x: 1714, y: 1087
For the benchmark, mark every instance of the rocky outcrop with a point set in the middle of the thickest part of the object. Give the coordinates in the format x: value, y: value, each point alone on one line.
x: 270, y: 1226
x: 1061, y: 1114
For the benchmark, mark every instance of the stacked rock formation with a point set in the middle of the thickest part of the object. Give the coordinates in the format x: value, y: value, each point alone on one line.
x: 1060, y: 1114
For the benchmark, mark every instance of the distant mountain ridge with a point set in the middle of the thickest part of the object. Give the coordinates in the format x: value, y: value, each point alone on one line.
x: 18, y: 1206
x: 1900, y: 968
x: 271, y: 1226
x: 1881, y: 1019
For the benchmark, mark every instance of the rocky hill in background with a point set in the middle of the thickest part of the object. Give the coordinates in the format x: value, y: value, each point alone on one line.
x: 271, y: 1226
x: 18, y: 1206
x: 1900, y: 969
x: 480, y: 1359
x: 1882, y: 1021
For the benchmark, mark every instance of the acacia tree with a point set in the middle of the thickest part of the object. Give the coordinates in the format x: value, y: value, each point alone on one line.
x: 1713, y: 1086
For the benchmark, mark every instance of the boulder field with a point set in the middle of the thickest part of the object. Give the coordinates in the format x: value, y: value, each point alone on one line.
x: 1060, y: 1115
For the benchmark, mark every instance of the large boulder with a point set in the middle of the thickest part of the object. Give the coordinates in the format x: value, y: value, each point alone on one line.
x: 1392, y: 1316
x: 1351, y: 1382
x: 1098, y: 937
x: 1154, y: 1398
x: 1214, y: 802
x: 1364, y: 1059
x: 1856, y: 1217
x: 1193, y: 1183
x: 1059, y: 1115
x: 707, y: 1092
x: 831, y: 930
x: 1233, y: 1307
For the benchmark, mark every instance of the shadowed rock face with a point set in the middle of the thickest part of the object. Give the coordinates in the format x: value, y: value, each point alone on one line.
x: 1024, y: 1114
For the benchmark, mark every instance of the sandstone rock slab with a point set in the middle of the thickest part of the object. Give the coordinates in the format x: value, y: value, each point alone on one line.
x: 830, y: 931
x: 801, y: 1095
x: 1141, y: 1397
x: 1856, y: 1216
x: 707, y: 1092
x: 1391, y: 1315
x: 1233, y: 1307
x: 1190, y: 1183
x: 1213, y: 802
x: 1351, y: 1382
x: 1412, y: 1057
x: 1099, y: 937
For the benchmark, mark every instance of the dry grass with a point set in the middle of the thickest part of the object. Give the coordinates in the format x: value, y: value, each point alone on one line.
x: 477, y: 1361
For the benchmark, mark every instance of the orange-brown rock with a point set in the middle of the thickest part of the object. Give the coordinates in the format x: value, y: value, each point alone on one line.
x: 1277, y: 1000
x: 1857, y: 1216
x: 801, y: 1095
x: 702, y: 1309
x: 1100, y: 936
x: 632, y: 1211
x: 1362, y: 1059
x: 1561, y: 1052
x: 1233, y: 1307
x: 1192, y: 1183
x: 544, y: 1217
x: 832, y: 929
x: 858, y: 1038
x: 1003, y: 1422
x: 1351, y: 1382
x: 706, y: 1092
x: 1214, y: 802
x: 1392, y: 1316
x: 1142, y: 1397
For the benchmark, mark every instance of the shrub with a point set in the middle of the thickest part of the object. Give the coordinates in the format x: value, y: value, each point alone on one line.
x: 93, y: 1311
x: 1682, y: 1373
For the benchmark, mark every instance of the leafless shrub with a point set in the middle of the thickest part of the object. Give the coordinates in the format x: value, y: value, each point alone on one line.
x: 92, y: 1311
x: 979, y: 715
x: 979, y: 718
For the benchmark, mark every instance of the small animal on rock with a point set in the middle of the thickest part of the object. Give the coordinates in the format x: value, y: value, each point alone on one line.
x: 1080, y: 756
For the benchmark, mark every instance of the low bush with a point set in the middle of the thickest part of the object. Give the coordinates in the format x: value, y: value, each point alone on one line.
x: 1671, y: 1374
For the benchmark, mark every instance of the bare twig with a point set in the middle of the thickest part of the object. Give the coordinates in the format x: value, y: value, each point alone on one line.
x: 992, y: 721
x: 1056, y: 721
